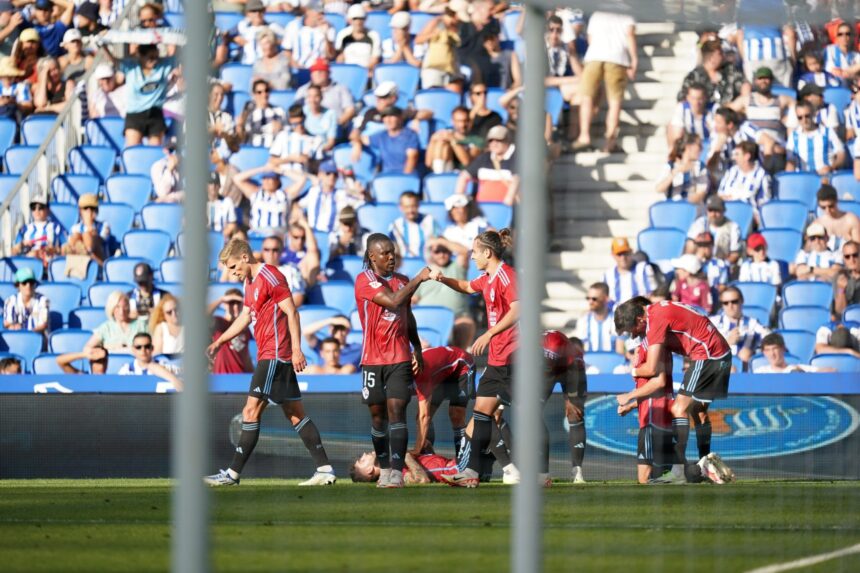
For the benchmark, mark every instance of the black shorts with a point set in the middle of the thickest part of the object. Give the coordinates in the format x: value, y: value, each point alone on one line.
x: 707, y: 380
x: 150, y: 123
x: 574, y: 383
x: 275, y: 380
x: 496, y: 383
x: 382, y: 381
x: 458, y: 390
x: 656, y: 447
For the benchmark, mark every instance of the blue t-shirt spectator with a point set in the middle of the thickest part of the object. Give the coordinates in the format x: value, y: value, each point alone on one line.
x: 322, y: 125
x: 391, y: 149
x: 144, y: 92
x: 52, y: 36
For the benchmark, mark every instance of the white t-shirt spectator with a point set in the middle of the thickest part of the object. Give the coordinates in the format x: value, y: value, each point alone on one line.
x: 727, y: 237
x: 825, y: 332
x: 321, y: 208
x: 358, y: 51
x: 167, y: 182
x: 105, y: 104
x: 766, y: 271
x: 607, y: 32
x: 787, y: 369
x: 466, y: 234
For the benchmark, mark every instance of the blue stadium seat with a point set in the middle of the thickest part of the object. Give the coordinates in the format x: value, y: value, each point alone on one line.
x: 249, y: 157
x: 432, y: 336
x: 803, y: 318
x: 800, y: 343
x: 63, y: 298
x: 68, y: 187
x: 10, y: 265
x: 163, y: 217
x: 419, y: 20
x: 68, y: 340
x: 25, y: 367
x: 798, y: 187
x: 388, y: 187
x: 121, y: 269
x: 98, y: 160
x: 759, y: 361
x: 154, y: 246
x: 762, y: 315
x: 171, y: 270
x: 783, y: 244
x: 783, y: 91
x: 406, y: 77
x: 554, y: 104
x: 380, y: 22
x: 282, y: 19
x: 175, y: 20
x: 809, y: 293
x: 852, y: 313
x: 439, y: 101
x: 369, y: 100
x: 117, y: 361
x: 336, y: 294
x: 282, y: 98
x: 785, y: 214
x: 8, y: 129
x: 24, y: 343
x: 742, y: 214
x: 35, y: 128
x: 173, y: 288
x: 355, y: 320
x: 352, y: 76
x: 377, y: 218
x: 436, y: 210
x: 364, y: 168
x: 344, y: 267
x: 850, y: 206
x: 439, y: 318
x: 57, y: 273
x: 337, y: 21
x: 66, y: 214
x: 439, y: 186
x: 510, y: 20
x: 411, y: 266
x: 498, y: 215
x: 847, y: 186
x: 762, y: 295
x: 139, y: 159
x: 47, y: 364
x: 216, y: 243
x: 839, y: 97
x: 108, y: 131
x: 99, y: 292
x: 87, y: 317
x: 7, y: 183
x: 674, y: 214
x: 17, y: 158
x: 134, y: 190
x: 7, y: 289
x: 661, y: 243
x: 235, y: 101
x: 322, y: 240
x: 118, y: 216
x: 226, y: 21
x: 605, y: 362
x: 841, y: 362
x: 493, y: 96
x: 216, y: 290
x: 311, y: 313
x: 239, y: 75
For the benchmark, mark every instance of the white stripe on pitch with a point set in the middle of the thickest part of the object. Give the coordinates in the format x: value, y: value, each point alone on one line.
x: 806, y: 561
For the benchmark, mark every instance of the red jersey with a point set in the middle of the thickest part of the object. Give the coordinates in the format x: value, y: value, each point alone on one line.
x: 231, y: 357
x: 500, y: 291
x: 440, y: 364
x: 386, y: 335
x: 436, y: 465
x: 656, y: 409
x: 262, y: 296
x: 684, y: 330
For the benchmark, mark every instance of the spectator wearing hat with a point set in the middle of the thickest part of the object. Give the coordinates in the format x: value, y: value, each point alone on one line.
x: 309, y: 37
x: 494, y: 170
x: 89, y: 24
x: 166, y: 178
x: 743, y: 333
x: 825, y: 114
x: 324, y: 200
x: 692, y: 115
x: 597, y: 328
x: 396, y: 147
x: 74, y: 63
x: 11, y: 21
x: 846, y: 285
x: 758, y: 268
x: 357, y: 45
x: 452, y: 259
x: 320, y: 122
x: 106, y: 99
x: 716, y: 270
x: 26, y: 309
x: 690, y: 286
x: 814, y: 71
x: 370, y: 120
x: 260, y: 121
x: 723, y: 82
x: 762, y: 108
x: 455, y: 148
x: 440, y: 66
x: 27, y: 52
x: 685, y: 177
x: 815, y: 261
x: 840, y: 58
x: 399, y: 47
x: 272, y: 64
x: 249, y: 32
x: 627, y: 278
x: 50, y: 28
x: 813, y: 148
x: 335, y: 97
x: 41, y: 238
x: 773, y: 348
x: 15, y: 97
x: 270, y: 205
x: 145, y: 296
x: 88, y: 236
x: 726, y: 233
x: 465, y: 222
x: 222, y: 213
x: 841, y: 225
x: 348, y: 237
x: 294, y: 148
x: 746, y: 180
x: 412, y: 231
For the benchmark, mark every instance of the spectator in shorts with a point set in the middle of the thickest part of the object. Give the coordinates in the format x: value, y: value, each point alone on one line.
x: 691, y: 287
x: 612, y: 59
x: 453, y: 260
x: 335, y: 97
x: 88, y: 236
x: 726, y: 233
x: 51, y: 29
x: 413, y: 231
x: 106, y: 99
x: 846, y: 289
x: 841, y: 225
x: 41, y: 238
x: 166, y: 178
x: 597, y: 328
x: 145, y: 296
x: 773, y: 348
x: 27, y: 309
x: 758, y: 268
x: 495, y: 170
x: 233, y: 357
x: 16, y: 100
x: 329, y: 351
x: 260, y: 121
x: 627, y: 278
x: 743, y: 333
x: 816, y: 261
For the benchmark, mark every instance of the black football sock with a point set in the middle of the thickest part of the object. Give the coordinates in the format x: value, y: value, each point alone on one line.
x: 459, y: 441
x: 507, y: 435
x: 481, y: 434
x: 703, y: 439
x: 681, y: 429
x: 497, y: 446
x: 310, y: 436
x: 576, y: 439
x: 399, y: 438
x: 431, y: 434
x: 247, y: 442
x: 379, y: 437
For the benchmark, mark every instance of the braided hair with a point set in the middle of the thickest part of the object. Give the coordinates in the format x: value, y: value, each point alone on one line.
x: 373, y: 240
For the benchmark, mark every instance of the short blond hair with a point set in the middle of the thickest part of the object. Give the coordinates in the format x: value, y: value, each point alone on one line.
x: 113, y: 300
x: 235, y: 248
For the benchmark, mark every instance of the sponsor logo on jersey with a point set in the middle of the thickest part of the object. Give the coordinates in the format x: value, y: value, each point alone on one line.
x: 375, y: 284
x: 744, y: 427
x: 492, y: 295
x: 256, y: 294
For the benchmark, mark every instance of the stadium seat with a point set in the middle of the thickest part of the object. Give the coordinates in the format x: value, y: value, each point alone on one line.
x: 133, y: 190
x: 498, y: 215
x: 846, y: 186
x: 282, y: 98
x: 673, y: 214
x: 439, y: 101
x: 510, y: 21
x: 35, y: 128
x: 69, y: 340
x: 852, y: 313
x: 57, y: 273
x: 850, y: 207
x: 380, y: 22
x: 604, y: 362
x: 175, y: 20
x: 174, y: 288
x: 785, y: 214
x: 783, y: 244
x: 378, y: 218
x: 63, y: 298
x: 238, y: 75
x: 98, y: 160
x: 411, y: 266
x: 738, y: 364
x: 759, y: 361
x: 139, y: 159
x: 118, y: 216
x: 249, y: 157
x: 388, y: 187
x: 406, y: 77
x: 311, y: 313
x: 282, y: 19
x: 235, y: 101
x: 364, y: 169
x: 7, y: 183
x: 47, y: 364
x: 226, y: 21
x: 762, y: 295
x: 165, y: 217
x: 66, y: 214
x: 17, y: 158
x: 355, y: 319
x: 7, y: 289
x: 798, y: 187
x: 337, y: 21
x: 171, y: 270
x: 344, y: 267
x: 839, y: 97
x: 216, y: 290
x: 216, y: 243
x: 352, y: 76
x: 844, y: 363
x: 322, y: 241
x: 809, y: 293
x: 108, y: 131
x: 24, y: 343
x: 432, y: 336
x: 336, y: 294
x: 439, y: 186
x: 68, y: 187
x: 121, y: 269
x: 800, y: 343
x: 436, y: 210
x: 87, y: 317
x: 803, y: 318
x: 762, y: 315
x: 554, y: 104
x: 8, y: 130
x: 154, y: 246
x: 439, y: 318
x: 10, y: 265
x: 661, y: 243
x: 117, y: 361
x: 741, y: 213
x: 99, y: 292
x: 493, y: 96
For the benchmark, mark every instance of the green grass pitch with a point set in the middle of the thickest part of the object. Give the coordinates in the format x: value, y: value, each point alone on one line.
x: 273, y: 525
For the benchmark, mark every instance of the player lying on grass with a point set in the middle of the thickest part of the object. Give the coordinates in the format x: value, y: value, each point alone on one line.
x: 420, y: 469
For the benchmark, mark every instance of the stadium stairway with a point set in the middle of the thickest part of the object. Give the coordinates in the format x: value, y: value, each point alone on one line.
x: 598, y: 195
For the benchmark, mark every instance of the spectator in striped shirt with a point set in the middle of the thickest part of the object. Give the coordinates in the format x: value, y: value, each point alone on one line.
x: 413, y: 230
x: 88, y: 236
x: 758, y: 268
x: 221, y: 211
x: 685, y: 177
x: 763, y: 46
x: 15, y: 97
x: 716, y: 270
x: 726, y: 233
x: 825, y: 114
x: 693, y: 115
x: 269, y: 203
x: 294, y: 148
x: 627, y: 278
x: 816, y: 261
x: 840, y: 59
x: 41, y: 238
x: 729, y: 131
x: 309, y: 37
x: 26, y: 309
x: 746, y: 180
x: 260, y: 121
x: 813, y: 148
x: 248, y: 31
x: 743, y: 333
x: 324, y: 200
x: 597, y: 328
x: 815, y: 73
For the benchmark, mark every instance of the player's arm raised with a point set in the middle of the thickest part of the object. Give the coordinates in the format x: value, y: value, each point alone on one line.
x: 651, y: 367
x: 240, y: 324
x: 460, y: 286
x: 288, y: 307
x: 483, y: 341
x: 392, y: 301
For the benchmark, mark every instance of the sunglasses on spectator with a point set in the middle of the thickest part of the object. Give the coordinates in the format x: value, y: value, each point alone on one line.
x: 592, y: 299
x: 804, y: 116
x: 479, y: 93
x: 732, y: 301
x: 853, y: 255
x: 143, y: 347
x: 816, y: 237
x: 38, y: 207
x: 148, y: 21
x: 841, y: 34
x: 29, y: 282
x: 271, y: 250
x: 263, y: 91
x: 170, y: 312
x: 96, y: 209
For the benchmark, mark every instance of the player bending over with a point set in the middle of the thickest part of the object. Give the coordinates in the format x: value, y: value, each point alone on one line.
x: 269, y: 306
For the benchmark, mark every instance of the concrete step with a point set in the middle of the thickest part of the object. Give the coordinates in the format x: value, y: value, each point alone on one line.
x: 671, y: 79
x: 594, y: 227
x: 588, y: 159
x: 567, y: 182
x: 616, y: 172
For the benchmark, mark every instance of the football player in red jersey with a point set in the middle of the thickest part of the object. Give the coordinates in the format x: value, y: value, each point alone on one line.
x: 675, y: 327
x: 498, y: 285
x: 269, y: 305
x: 419, y: 469
x: 388, y: 366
